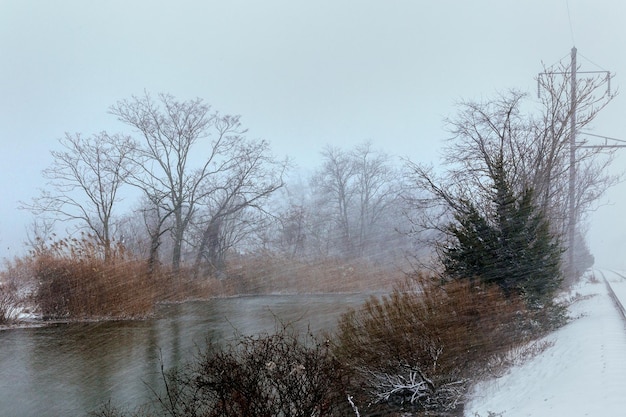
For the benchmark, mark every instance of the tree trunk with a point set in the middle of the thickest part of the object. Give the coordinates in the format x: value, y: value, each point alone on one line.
x: 153, y: 256
x: 209, y: 249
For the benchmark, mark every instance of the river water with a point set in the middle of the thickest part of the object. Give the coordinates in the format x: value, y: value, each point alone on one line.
x: 71, y: 369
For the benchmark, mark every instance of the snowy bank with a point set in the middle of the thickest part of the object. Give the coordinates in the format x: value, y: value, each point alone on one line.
x: 582, y: 374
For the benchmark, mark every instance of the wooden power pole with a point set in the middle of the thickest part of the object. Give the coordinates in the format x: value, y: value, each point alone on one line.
x: 572, y: 212
x: 571, y: 229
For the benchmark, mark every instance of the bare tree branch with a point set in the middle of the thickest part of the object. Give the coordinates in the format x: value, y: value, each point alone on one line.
x: 84, y: 182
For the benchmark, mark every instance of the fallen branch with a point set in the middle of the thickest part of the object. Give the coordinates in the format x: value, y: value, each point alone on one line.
x: 354, y: 407
x: 417, y: 389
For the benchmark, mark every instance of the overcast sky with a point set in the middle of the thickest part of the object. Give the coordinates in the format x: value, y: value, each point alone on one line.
x: 301, y: 74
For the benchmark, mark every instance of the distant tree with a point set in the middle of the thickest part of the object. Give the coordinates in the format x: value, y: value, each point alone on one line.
x: 292, y: 231
x: 356, y: 192
x: 84, y: 180
x: 186, y: 156
x: 336, y: 194
x: 232, y: 203
x: 378, y: 189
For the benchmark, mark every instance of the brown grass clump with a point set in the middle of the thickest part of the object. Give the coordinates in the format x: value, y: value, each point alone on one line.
x: 71, y: 279
x: 420, y: 345
x: 74, y: 281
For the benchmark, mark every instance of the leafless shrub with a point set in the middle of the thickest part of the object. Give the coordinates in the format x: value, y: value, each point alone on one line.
x: 279, y: 374
x: 9, y: 305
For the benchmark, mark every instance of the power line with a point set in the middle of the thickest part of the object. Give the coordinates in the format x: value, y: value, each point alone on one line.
x: 569, y: 17
x: 593, y: 63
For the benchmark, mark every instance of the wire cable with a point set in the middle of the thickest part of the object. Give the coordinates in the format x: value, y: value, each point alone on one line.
x: 571, y: 26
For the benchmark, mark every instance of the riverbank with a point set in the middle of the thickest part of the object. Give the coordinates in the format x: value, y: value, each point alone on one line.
x: 74, y: 368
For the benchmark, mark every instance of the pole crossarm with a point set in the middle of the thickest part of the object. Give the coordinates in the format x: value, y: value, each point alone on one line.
x: 606, y: 144
x: 573, y: 73
x: 603, y: 137
x: 577, y: 72
x: 600, y: 146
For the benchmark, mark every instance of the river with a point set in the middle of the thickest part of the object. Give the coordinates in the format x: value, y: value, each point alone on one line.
x: 72, y: 369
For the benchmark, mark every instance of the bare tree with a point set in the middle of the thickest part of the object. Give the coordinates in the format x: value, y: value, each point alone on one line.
x: 39, y: 232
x: 250, y: 176
x: 175, y: 134
x: 355, y: 190
x: 84, y: 182
x: 378, y: 191
x: 333, y: 184
x: 291, y: 234
x: 531, y: 143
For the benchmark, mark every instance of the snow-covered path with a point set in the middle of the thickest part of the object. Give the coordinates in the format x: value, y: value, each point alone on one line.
x: 582, y: 374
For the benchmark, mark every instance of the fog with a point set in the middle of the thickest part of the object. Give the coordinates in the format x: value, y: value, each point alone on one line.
x: 302, y: 76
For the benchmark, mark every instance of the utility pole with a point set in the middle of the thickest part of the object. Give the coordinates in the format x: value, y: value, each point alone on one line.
x: 572, y: 212
x: 572, y: 166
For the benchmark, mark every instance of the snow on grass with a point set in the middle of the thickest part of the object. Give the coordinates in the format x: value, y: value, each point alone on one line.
x: 582, y: 374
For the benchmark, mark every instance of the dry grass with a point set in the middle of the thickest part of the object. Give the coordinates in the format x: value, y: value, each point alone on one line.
x: 70, y: 279
x: 445, y: 334
x: 75, y: 282
x: 272, y: 274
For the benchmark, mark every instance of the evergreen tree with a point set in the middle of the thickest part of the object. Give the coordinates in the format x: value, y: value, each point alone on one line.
x: 509, y: 244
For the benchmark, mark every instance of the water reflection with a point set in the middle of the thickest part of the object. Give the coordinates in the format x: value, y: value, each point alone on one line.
x: 69, y: 369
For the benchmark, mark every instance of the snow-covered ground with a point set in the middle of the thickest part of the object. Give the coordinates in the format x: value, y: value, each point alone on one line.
x: 582, y: 374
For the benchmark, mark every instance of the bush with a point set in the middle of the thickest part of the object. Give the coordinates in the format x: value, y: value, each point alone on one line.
x: 268, y: 375
x: 280, y: 374
x: 419, y: 346
x: 16, y: 286
x: 9, y: 305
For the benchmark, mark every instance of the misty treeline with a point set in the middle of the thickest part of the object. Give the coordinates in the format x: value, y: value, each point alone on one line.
x: 202, y: 191
x: 185, y: 186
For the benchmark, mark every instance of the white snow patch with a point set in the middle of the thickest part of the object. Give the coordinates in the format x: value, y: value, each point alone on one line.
x: 582, y: 374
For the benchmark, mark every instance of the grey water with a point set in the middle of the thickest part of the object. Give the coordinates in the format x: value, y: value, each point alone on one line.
x: 74, y: 368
